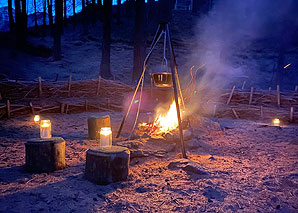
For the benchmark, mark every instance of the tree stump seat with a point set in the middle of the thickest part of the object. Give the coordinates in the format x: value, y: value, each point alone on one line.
x: 45, y: 155
x: 95, y: 124
x: 107, y: 165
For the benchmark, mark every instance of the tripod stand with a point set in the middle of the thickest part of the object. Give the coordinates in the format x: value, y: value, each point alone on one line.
x: 163, y: 29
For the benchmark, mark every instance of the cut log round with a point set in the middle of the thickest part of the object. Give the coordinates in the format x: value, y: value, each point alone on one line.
x: 45, y: 155
x: 107, y: 165
x: 95, y: 124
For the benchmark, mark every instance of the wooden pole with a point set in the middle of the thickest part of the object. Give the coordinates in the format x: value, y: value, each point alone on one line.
x: 173, y: 66
x: 243, y: 85
x: 66, y: 108
x: 231, y: 95
x: 31, y: 108
x: 98, y: 85
x: 251, y: 94
x: 278, y: 95
x: 296, y: 88
x: 262, y: 112
x: 69, y: 85
x: 62, y: 107
x: 235, y: 113
x: 86, y: 105
x: 291, y: 114
x: 214, y: 110
x: 8, y: 108
x: 39, y: 86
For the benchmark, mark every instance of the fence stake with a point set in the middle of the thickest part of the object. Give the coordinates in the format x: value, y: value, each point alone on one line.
x: 214, y: 110
x: 69, y: 85
x: 98, y: 85
x: 8, y: 108
x: 251, y: 94
x: 31, y: 108
x: 231, y: 95
x: 262, y: 112
x: 39, y: 86
x: 291, y: 114
x: 278, y: 95
x: 235, y: 113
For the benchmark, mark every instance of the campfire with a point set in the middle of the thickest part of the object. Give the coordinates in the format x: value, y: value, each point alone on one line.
x: 164, y: 125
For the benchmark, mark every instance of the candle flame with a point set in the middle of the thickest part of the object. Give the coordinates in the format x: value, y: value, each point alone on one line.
x: 45, y: 123
x: 105, y: 131
x: 276, y: 122
x: 36, y: 118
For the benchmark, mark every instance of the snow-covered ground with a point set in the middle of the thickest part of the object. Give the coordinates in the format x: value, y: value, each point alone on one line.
x: 244, y: 166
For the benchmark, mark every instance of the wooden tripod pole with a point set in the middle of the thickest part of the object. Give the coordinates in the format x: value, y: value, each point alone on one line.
x: 155, y: 40
x: 173, y: 68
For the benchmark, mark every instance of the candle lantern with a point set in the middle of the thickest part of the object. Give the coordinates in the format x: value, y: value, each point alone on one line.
x: 45, y: 129
x: 106, y: 137
x: 36, y: 119
x: 276, y: 122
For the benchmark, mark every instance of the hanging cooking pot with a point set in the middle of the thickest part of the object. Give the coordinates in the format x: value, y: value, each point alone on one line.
x: 162, y: 79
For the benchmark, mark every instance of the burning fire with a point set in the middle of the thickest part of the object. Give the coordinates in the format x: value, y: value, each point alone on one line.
x: 163, y: 123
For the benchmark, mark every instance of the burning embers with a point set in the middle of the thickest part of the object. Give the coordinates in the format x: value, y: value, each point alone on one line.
x: 164, y: 125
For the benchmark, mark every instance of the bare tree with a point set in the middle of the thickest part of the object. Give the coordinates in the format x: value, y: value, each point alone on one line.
x: 35, y: 15
x: 11, y: 21
x: 74, y: 7
x: 58, y: 28
x: 44, y: 12
x: 50, y: 11
x: 65, y: 10
x: 195, y: 6
x: 140, y: 39
x: 105, y: 68
x: 21, y: 22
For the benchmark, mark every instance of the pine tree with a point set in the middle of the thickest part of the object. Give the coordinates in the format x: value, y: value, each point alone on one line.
x: 105, y: 68
x: 140, y: 39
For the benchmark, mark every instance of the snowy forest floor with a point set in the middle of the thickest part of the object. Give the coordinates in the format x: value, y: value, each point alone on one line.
x: 243, y: 166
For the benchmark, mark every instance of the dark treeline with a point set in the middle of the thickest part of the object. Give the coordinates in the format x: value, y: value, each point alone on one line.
x: 92, y: 11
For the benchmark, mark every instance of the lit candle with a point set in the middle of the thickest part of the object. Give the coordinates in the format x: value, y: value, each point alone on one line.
x: 276, y: 122
x: 106, y: 137
x: 45, y: 129
x: 36, y: 119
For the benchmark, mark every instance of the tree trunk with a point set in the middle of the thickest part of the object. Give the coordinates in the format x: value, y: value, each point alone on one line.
x: 50, y: 11
x: 44, y: 12
x: 83, y: 4
x: 65, y: 11
x: 24, y: 15
x: 58, y: 28
x: 195, y: 6
x: 11, y: 21
x: 165, y: 11
x: 140, y: 39
x: 35, y: 15
x: 105, y: 70
x: 74, y: 7
x: 118, y: 12
x: 21, y: 23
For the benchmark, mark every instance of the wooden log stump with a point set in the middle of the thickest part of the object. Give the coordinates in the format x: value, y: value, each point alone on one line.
x: 107, y: 165
x: 45, y: 155
x: 95, y: 124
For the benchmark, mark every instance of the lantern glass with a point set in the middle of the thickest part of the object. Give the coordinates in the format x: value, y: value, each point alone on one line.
x: 45, y: 129
x: 276, y: 122
x: 36, y: 119
x: 105, y: 137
